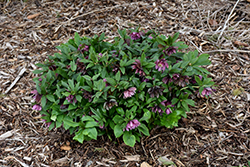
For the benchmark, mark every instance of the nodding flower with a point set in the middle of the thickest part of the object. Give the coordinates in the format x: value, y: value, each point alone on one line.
x: 129, y: 93
x: 37, y: 107
x: 170, y: 50
x: 138, y: 68
x: 37, y: 96
x: 161, y: 65
x: 135, y: 35
x: 132, y: 125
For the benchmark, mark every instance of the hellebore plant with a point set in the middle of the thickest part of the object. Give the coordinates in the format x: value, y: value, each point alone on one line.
x: 120, y: 89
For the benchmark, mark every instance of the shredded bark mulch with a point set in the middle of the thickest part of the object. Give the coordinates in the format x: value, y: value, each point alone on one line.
x: 215, y: 132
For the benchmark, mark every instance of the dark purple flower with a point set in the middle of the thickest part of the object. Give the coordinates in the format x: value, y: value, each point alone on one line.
x: 37, y: 96
x: 170, y: 50
x: 135, y: 35
x: 129, y: 93
x: 52, y: 67
x: 167, y: 103
x: 37, y: 107
x: 81, y: 66
x: 155, y: 91
x: 167, y: 80
x: 108, y: 105
x: 71, y: 99
x: 161, y: 64
x: 132, y: 125
x: 83, y: 48
x: 87, y: 95
x: 156, y: 109
x: 138, y: 68
x: 40, y: 79
x: 176, y: 76
x: 62, y: 107
x: 145, y: 80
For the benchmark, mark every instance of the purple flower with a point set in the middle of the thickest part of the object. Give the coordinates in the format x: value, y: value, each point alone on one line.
x: 170, y: 50
x: 62, y: 107
x: 161, y: 64
x: 135, y: 35
x: 71, y: 99
x: 100, y: 54
x: 108, y: 105
x: 37, y: 107
x: 145, y: 80
x: 175, y: 76
x: 81, y: 66
x: 37, y: 96
x: 83, y: 48
x: 40, y: 79
x: 150, y: 37
x: 205, y: 92
x: 129, y: 93
x: 167, y: 80
x: 167, y: 103
x: 87, y: 95
x: 132, y: 125
x: 138, y: 68
x: 52, y: 67
x: 156, y: 109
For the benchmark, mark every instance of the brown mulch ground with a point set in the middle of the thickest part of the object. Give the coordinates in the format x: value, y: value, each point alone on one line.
x: 216, y: 131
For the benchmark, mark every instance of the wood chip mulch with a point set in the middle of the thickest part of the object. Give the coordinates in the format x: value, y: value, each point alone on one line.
x: 216, y: 131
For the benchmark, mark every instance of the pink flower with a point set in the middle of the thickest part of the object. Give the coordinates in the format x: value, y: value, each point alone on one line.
x: 205, y: 92
x: 132, y: 125
x: 138, y: 68
x: 167, y: 103
x: 150, y: 37
x: 167, y: 80
x: 37, y: 96
x: 157, y: 109
x: 37, y: 107
x: 135, y: 35
x: 161, y: 64
x: 129, y: 93
x: 71, y: 99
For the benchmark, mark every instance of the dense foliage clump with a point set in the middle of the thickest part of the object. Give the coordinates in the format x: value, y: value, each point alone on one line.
x: 141, y: 80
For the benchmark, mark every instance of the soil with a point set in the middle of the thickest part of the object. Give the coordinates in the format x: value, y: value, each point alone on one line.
x: 215, y: 132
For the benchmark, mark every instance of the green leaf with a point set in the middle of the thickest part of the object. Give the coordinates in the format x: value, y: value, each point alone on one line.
x: 174, y: 100
x: 92, y: 133
x: 176, y: 35
x: 118, y: 131
x: 118, y: 119
x: 87, y: 77
x: 111, y: 81
x: 87, y: 88
x: 185, y: 105
x: 77, y: 39
x: 146, y: 116
x: 143, y: 128
x: 129, y: 62
x: 79, y: 136
x: 203, y: 60
x: 129, y: 139
x: 72, y: 107
x: 43, y: 101
x: 70, y: 122
x: 87, y: 118
x: 118, y: 76
x: 91, y: 124
x: 50, y: 98
x: 190, y: 102
x: 150, y: 65
x: 52, y: 126
x: 120, y: 110
x: 37, y: 71
x: 122, y: 70
x: 78, y: 98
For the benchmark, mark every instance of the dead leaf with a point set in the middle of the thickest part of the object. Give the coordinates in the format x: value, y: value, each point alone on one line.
x: 66, y: 148
x: 235, y: 67
x: 33, y: 16
x: 238, y: 43
x: 61, y: 160
x: 133, y: 158
x: 145, y: 164
x: 213, y: 22
x: 238, y: 91
x: 248, y: 96
x: 165, y: 161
